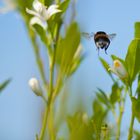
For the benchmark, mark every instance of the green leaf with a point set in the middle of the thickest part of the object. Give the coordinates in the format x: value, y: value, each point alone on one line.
x: 137, y: 135
x: 103, y: 97
x: 99, y: 113
x: 42, y: 1
x: 61, y: 138
x: 98, y: 118
x: 78, y: 128
x: 106, y: 66
x: 118, y: 58
x: 54, y: 25
x: 114, y: 57
x: 64, y: 5
x: 116, y: 93
x: 67, y: 48
x: 136, y: 107
x: 133, y: 59
x: 4, y: 84
x: 25, y: 3
x: 48, y: 2
x: 42, y: 34
x: 75, y: 64
x: 137, y: 30
x: 138, y: 87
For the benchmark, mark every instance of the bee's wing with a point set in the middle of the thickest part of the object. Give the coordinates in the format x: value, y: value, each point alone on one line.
x: 87, y: 35
x: 111, y: 36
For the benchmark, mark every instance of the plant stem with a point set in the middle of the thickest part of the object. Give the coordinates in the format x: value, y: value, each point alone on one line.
x: 48, y: 117
x: 131, y: 93
x: 49, y: 108
x: 51, y: 120
x: 52, y: 64
x: 97, y: 133
x: 44, y: 124
x: 130, y: 134
x: 45, y: 119
x: 114, y: 114
x: 121, y: 109
x: 51, y: 127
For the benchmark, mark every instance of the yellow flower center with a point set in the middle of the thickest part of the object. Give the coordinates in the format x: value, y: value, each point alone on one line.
x: 117, y: 63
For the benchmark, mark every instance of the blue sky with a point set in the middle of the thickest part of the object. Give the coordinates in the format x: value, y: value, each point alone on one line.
x: 20, y: 109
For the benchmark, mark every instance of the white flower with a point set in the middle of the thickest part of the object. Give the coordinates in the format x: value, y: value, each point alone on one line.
x: 119, y: 69
x: 34, y: 85
x: 9, y: 5
x: 41, y: 13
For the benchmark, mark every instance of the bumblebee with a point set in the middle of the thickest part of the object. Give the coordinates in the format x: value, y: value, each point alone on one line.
x: 102, y: 39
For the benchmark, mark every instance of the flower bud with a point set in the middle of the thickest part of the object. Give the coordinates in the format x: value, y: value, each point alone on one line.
x: 119, y: 69
x: 34, y: 85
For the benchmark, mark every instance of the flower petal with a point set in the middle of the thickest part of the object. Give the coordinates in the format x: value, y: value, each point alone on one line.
x: 121, y: 72
x: 112, y: 69
x: 53, y: 6
x: 45, y: 14
x: 31, y: 12
x: 53, y: 10
x: 38, y: 6
x: 37, y: 20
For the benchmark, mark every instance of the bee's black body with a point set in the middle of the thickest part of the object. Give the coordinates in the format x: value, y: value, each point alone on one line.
x: 101, y: 40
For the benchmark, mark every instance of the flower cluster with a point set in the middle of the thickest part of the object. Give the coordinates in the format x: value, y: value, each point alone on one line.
x: 41, y: 13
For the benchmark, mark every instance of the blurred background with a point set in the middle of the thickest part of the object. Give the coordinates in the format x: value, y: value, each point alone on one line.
x: 20, y: 110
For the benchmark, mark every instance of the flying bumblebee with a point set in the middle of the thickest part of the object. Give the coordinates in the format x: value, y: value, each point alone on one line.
x: 102, y: 39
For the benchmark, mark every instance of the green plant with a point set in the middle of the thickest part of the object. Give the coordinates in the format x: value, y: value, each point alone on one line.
x: 45, y: 23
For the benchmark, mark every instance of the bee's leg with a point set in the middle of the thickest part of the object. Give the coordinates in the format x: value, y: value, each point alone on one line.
x: 106, y: 49
x: 98, y: 49
x: 106, y: 52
